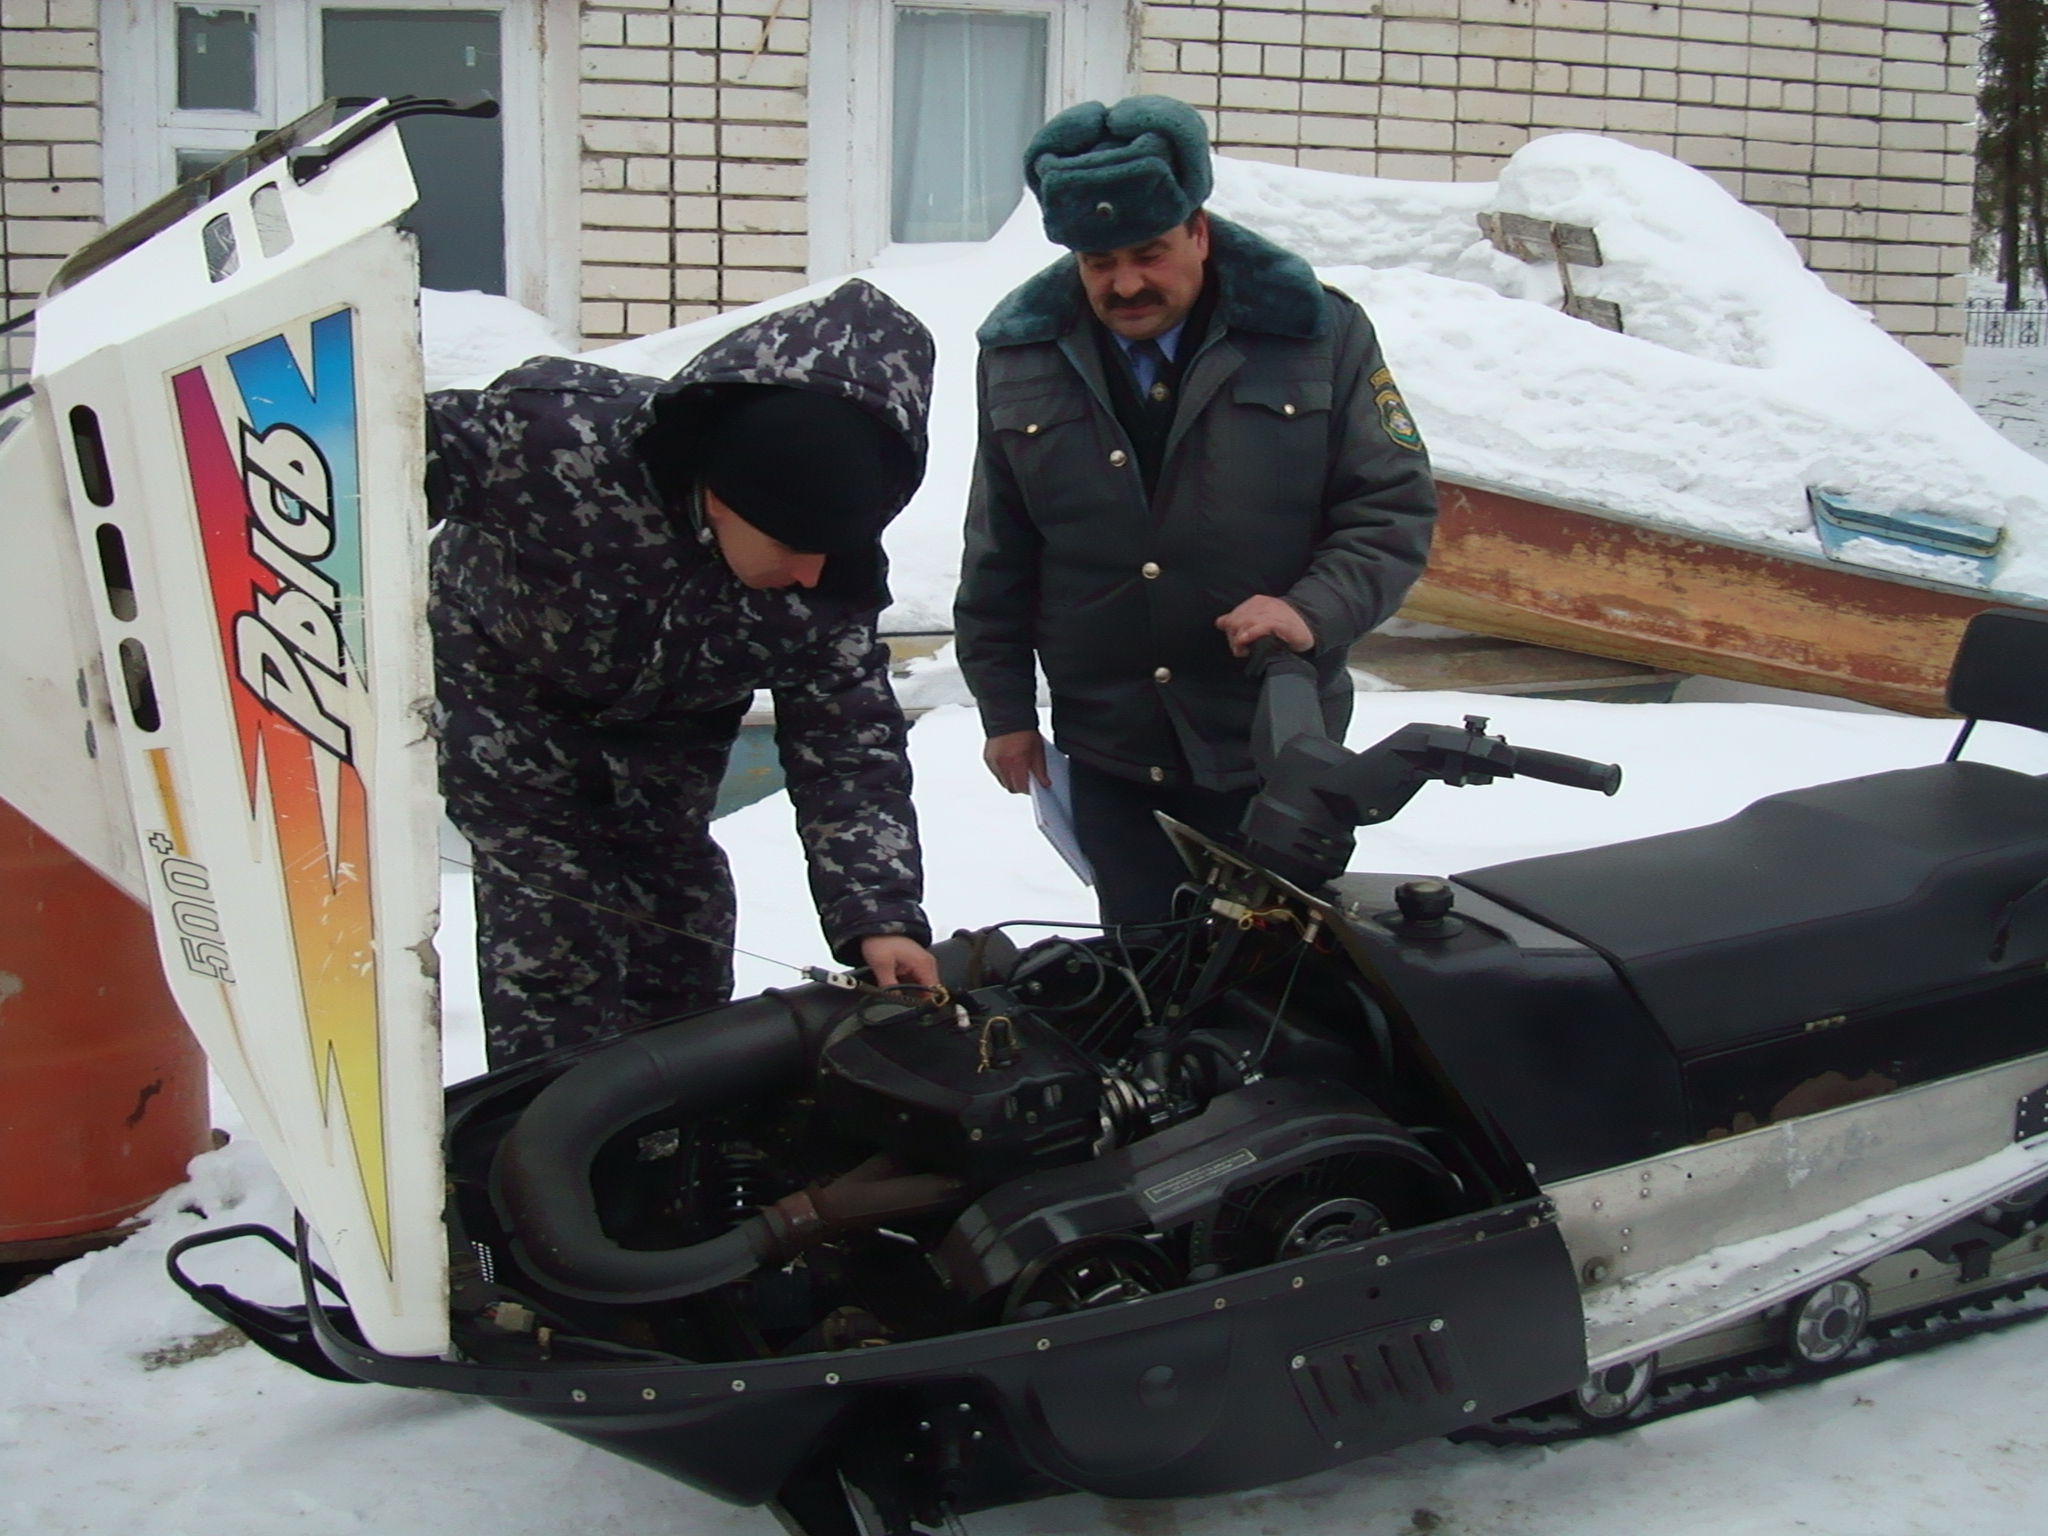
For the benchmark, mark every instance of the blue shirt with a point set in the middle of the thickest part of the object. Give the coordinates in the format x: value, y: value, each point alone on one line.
x: 1143, y: 364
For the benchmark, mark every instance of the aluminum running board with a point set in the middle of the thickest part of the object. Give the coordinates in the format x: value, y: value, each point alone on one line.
x: 1682, y: 1245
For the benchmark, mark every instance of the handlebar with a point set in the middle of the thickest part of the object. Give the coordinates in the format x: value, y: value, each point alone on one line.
x: 1571, y: 772
x: 1314, y: 792
x: 1262, y: 653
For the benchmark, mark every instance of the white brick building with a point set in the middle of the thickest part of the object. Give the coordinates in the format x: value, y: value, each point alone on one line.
x: 659, y: 159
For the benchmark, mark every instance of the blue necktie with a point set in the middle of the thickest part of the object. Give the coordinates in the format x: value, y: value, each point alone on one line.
x: 1148, y: 365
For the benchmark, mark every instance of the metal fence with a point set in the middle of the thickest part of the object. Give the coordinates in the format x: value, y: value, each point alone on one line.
x: 1987, y: 323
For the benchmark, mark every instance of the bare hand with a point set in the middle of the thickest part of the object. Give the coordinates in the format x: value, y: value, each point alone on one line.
x: 1258, y: 617
x: 899, y: 961
x: 1016, y: 759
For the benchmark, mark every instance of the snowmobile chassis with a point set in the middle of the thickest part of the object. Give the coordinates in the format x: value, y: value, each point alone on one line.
x: 1744, y: 1259
x: 1660, y: 1340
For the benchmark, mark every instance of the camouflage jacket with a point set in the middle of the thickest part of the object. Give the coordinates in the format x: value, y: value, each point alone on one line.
x: 591, y: 600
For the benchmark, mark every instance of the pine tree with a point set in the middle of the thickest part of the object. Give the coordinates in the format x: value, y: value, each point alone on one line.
x: 2012, y: 141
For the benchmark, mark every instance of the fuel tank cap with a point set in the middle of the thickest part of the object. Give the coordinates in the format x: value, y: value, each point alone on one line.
x: 1425, y: 910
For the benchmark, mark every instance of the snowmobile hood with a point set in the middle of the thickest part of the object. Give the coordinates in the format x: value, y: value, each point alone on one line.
x: 234, y: 402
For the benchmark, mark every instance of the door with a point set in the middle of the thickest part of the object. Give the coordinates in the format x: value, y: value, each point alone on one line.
x: 458, y: 163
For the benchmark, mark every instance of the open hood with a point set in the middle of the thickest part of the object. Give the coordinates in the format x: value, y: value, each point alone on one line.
x: 230, y: 386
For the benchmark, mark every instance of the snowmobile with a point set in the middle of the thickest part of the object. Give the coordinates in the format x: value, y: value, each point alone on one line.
x: 1330, y: 1163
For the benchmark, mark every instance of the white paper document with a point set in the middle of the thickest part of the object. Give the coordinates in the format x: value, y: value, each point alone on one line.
x: 1052, y: 807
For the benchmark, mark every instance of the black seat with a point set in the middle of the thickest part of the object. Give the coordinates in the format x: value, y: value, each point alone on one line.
x: 1809, y: 905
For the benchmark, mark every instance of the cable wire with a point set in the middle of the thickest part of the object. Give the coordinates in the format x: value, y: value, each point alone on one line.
x: 937, y: 996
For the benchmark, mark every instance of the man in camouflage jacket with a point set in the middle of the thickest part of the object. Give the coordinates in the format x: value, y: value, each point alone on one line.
x: 596, y: 649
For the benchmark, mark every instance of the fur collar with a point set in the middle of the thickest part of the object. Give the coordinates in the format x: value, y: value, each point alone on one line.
x: 1262, y: 288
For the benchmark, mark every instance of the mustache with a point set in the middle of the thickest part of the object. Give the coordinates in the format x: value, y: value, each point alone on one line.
x: 1144, y: 298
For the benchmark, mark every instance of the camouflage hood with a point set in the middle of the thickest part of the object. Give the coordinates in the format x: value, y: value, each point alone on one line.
x: 855, y: 342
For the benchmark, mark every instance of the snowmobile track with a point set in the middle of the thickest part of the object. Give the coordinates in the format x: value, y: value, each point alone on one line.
x: 1725, y: 1381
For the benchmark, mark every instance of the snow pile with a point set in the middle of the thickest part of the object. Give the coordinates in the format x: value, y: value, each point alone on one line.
x: 1740, y: 381
x: 470, y: 337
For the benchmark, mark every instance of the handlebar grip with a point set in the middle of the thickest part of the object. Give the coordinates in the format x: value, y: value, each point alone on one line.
x: 1267, y: 656
x: 1571, y: 772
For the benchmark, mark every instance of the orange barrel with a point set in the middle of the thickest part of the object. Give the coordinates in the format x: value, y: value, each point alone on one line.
x: 102, y: 1088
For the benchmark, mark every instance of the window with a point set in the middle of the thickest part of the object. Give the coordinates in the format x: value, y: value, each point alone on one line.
x: 217, y: 102
x: 216, y: 59
x: 459, y: 163
x: 969, y: 93
x: 920, y: 111
x: 190, y: 84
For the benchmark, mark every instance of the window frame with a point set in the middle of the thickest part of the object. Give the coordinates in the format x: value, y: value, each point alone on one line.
x: 144, y: 128
x: 183, y: 121
x: 1090, y: 55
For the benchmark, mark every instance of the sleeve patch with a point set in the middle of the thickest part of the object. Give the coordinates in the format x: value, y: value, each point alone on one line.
x: 1394, y: 417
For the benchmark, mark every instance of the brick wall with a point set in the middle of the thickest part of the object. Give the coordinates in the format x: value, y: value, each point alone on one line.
x: 694, y: 143
x: 1848, y: 121
x: 49, y: 141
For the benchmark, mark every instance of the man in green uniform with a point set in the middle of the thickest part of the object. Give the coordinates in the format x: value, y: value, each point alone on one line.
x: 1188, y: 444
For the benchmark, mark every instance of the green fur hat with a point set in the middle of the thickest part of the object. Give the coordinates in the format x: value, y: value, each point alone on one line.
x: 1108, y: 177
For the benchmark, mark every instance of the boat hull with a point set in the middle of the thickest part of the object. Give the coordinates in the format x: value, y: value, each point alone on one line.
x: 1583, y: 580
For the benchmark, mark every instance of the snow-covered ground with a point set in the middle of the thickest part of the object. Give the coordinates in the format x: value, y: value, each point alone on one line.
x: 473, y: 336
x: 2008, y: 387
x: 114, y: 1423
x: 1740, y: 381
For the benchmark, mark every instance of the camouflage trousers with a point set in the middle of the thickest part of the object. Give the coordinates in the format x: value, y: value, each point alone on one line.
x: 602, y: 903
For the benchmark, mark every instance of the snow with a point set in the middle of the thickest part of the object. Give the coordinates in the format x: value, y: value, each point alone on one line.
x: 1882, y: 555
x: 1740, y: 382
x: 471, y: 336
x: 93, y: 1442
x: 2008, y: 387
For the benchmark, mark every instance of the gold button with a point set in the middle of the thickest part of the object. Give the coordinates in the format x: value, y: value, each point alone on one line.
x: 1158, y: 775
x: 1031, y: 430
x: 1118, y: 458
x: 1149, y: 570
x: 1162, y: 674
x: 1159, y: 391
x: 1287, y: 409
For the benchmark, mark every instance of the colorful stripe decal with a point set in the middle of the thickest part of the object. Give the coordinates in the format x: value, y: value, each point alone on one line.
x: 274, y: 480
x: 174, y: 817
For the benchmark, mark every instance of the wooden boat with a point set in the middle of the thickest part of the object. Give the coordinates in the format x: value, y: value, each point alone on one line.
x: 1555, y: 573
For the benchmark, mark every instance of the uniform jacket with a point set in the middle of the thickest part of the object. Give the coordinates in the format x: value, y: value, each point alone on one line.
x: 1292, y: 469
x: 568, y: 590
